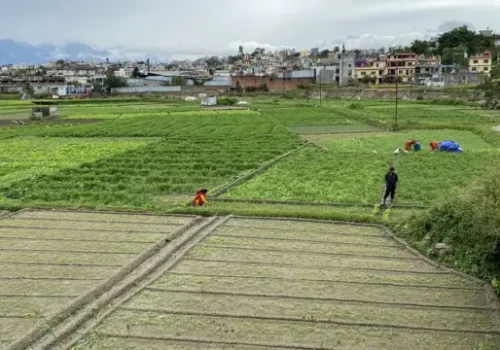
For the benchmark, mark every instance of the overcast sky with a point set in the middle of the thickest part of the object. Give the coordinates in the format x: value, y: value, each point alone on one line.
x: 184, y: 27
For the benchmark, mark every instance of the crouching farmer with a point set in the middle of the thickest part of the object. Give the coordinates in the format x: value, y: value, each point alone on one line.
x: 201, y: 198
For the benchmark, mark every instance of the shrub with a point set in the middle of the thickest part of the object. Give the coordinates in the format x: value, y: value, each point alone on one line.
x: 227, y: 101
x: 288, y: 95
x: 356, y: 105
x: 470, y: 224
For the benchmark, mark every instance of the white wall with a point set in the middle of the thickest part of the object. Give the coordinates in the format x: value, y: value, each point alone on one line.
x: 143, y: 89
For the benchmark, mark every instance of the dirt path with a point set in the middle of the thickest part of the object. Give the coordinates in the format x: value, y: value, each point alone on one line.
x: 243, y: 283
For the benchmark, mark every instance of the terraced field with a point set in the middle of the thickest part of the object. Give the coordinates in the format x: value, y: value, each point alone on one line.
x: 49, y: 260
x: 272, y: 284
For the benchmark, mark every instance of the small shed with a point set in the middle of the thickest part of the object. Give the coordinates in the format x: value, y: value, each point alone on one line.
x: 209, y: 101
x: 43, y: 109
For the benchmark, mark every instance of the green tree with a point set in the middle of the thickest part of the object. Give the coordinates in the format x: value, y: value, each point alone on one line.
x: 420, y: 47
x: 112, y: 82
x: 336, y: 49
x: 213, y: 62
x: 28, y: 89
x: 97, y: 87
x: 462, y: 36
x: 135, y: 73
x: 178, y: 81
x: 455, y: 55
x: 324, y: 53
x: 491, y: 88
x: 368, y: 80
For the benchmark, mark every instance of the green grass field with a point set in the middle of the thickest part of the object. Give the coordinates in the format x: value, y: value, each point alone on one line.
x: 155, y: 154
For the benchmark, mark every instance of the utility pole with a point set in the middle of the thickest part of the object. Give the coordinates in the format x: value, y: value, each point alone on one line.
x: 283, y: 81
x: 397, y: 90
x: 320, y: 86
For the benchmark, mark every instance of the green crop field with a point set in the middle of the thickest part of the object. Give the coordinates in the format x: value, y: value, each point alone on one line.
x: 154, y: 155
x: 242, y: 271
x: 352, y: 169
x: 196, y: 149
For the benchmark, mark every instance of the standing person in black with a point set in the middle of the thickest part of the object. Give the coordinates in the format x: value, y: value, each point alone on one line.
x: 391, y: 180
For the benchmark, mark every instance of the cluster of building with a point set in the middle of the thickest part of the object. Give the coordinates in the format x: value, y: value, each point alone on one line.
x: 281, y: 70
x: 413, y: 69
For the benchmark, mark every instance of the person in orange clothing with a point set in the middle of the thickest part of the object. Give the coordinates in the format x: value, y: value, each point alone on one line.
x: 409, y: 144
x: 434, y: 145
x: 201, y: 198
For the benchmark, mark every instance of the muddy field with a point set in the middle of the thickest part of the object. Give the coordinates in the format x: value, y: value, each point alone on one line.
x: 50, y: 258
x: 262, y: 284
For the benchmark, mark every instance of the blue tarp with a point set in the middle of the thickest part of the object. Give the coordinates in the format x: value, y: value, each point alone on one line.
x: 450, y: 146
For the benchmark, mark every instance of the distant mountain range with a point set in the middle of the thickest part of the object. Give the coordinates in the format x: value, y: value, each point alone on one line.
x: 12, y: 52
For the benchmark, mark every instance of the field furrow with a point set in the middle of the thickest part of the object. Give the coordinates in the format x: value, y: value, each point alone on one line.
x: 31, y: 306
x: 90, y: 226
x: 323, y: 290
x: 45, y: 287
x: 89, y: 216
x: 450, y: 319
x: 56, y: 272
x: 306, y: 334
x: 303, y: 226
x: 292, y: 259
x: 326, y: 237
x: 320, y: 247
x: 12, y: 328
x: 101, y: 341
x: 13, y: 257
x: 96, y: 247
x: 78, y: 236
x: 276, y: 271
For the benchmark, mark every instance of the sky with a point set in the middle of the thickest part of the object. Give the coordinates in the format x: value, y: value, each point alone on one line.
x: 205, y: 27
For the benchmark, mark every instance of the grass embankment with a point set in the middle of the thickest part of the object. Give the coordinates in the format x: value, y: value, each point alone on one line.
x: 469, y: 223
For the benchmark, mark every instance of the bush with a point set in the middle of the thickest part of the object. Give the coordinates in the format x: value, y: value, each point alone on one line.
x: 470, y: 224
x: 356, y: 105
x: 288, y: 95
x: 227, y: 101
x: 9, y: 96
x: 420, y: 98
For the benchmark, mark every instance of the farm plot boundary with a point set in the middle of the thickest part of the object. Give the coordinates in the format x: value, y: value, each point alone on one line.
x: 67, y: 338
x: 224, y: 188
x: 82, y: 302
x: 163, y: 257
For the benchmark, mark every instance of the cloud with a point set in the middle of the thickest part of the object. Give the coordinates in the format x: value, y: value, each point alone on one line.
x: 250, y: 46
x: 449, y: 25
x: 201, y: 27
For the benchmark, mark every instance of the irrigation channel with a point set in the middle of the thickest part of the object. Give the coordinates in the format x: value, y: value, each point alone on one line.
x: 90, y: 280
